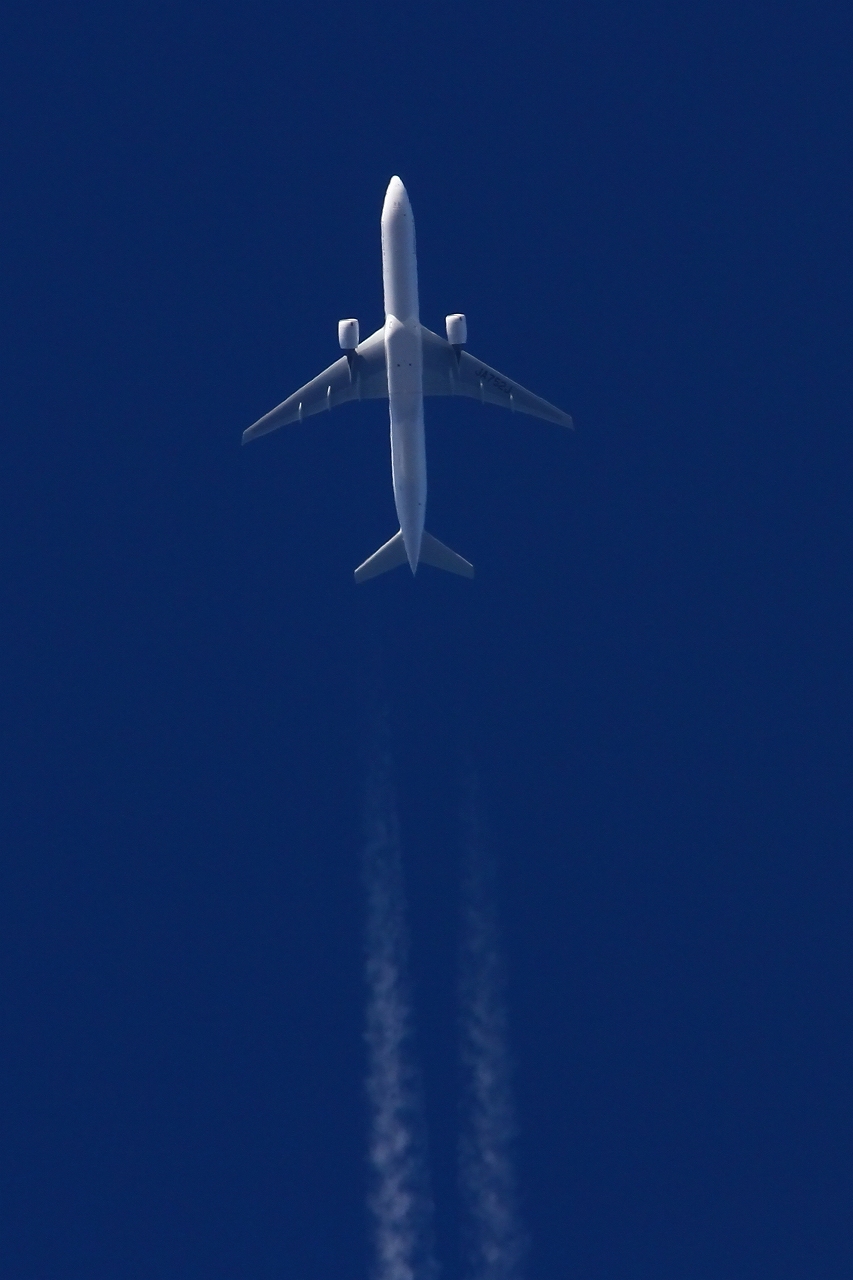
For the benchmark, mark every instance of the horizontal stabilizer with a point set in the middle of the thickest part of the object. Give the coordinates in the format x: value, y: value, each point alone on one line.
x: 441, y: 557
x: 389, y: 556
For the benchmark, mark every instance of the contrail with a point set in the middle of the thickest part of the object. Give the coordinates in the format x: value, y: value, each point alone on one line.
x: 400, y: 1199
x: 497, y: 1241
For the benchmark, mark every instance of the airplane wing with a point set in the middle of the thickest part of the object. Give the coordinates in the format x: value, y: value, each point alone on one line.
x: 363, y: 379
x: 444, y: 375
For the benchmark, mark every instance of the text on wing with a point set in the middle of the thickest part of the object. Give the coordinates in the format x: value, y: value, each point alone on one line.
x: 487, y: 375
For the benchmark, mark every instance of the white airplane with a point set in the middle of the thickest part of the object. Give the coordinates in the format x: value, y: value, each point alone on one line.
x: 403, y: 362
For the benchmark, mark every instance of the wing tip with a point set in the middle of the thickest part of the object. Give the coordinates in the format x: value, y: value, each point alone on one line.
x: 260, y: 428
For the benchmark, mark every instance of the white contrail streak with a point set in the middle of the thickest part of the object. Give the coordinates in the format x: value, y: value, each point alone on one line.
x: 497, y: 1241
x: 400, y: 1199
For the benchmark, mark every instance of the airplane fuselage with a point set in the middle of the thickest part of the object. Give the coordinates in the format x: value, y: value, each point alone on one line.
x: 404, y: 365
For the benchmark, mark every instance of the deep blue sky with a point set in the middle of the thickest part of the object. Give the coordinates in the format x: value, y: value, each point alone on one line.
x: 644, y: 211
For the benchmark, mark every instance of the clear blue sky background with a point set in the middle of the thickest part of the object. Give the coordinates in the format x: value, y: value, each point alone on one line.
x: 644, y: 211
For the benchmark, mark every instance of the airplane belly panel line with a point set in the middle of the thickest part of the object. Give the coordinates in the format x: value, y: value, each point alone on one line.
x: 402, y: 362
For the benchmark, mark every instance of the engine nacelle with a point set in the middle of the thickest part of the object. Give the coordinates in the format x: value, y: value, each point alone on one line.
x: 348, y: 334
x: 457, y: 330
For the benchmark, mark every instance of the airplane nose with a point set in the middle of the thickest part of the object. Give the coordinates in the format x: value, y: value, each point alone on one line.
x: 395, y: 197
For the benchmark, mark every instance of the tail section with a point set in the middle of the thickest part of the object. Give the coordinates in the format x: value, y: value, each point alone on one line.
x: 393, y: 554
x: 389, y: 556
x: 441, y: 557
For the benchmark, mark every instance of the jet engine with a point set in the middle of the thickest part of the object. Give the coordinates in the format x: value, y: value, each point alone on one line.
x: 348, y: 334
x: 457, y: 331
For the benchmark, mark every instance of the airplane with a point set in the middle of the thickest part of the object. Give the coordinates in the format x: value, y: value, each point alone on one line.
x: 402, y: 362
